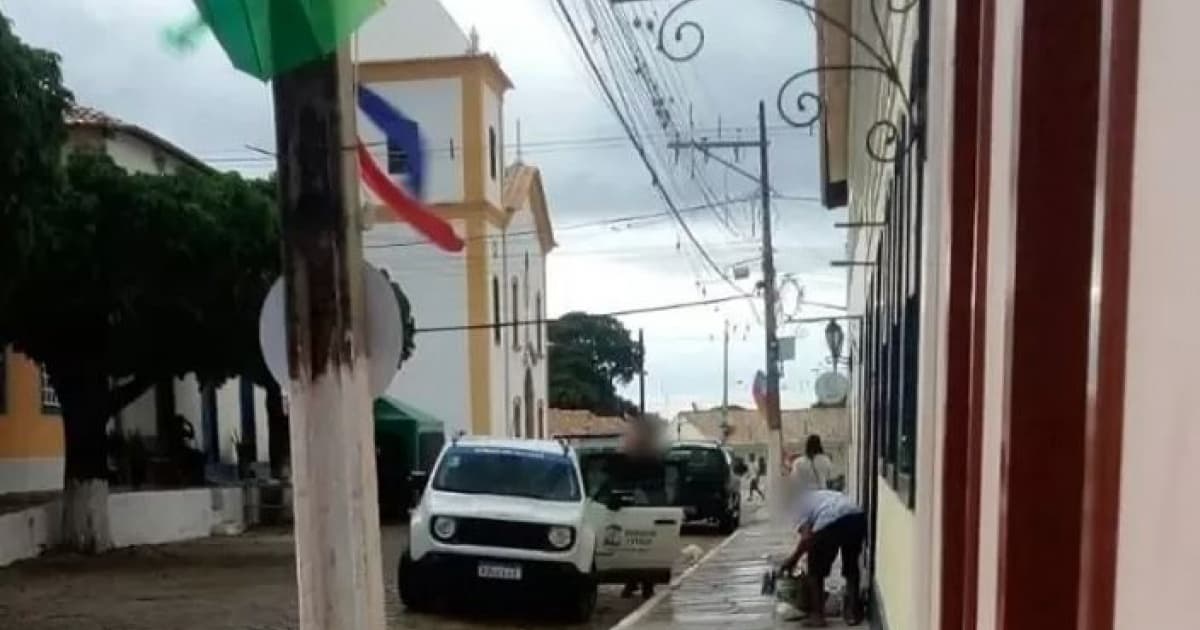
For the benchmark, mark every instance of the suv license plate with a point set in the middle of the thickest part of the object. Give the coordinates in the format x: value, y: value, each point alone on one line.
x: 510, y: 572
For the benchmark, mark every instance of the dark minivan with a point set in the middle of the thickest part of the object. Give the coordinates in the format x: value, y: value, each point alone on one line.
x: 711, y: 488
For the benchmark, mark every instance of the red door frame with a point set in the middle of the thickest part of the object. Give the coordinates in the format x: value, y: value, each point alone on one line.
x: 1110, y: 268
x: 1064, y: 421
x: 971, y: 162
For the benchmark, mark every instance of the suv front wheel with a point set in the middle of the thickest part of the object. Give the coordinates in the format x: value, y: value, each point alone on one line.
x: 414, y: 593
x: 579, y: 605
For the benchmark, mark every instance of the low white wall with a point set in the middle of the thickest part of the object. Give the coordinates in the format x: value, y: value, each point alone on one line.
x: 27, y: 533
x: 136, y: 518
x: 150, y: 518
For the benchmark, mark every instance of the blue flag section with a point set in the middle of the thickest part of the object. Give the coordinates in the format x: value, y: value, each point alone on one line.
x: 403, y: 135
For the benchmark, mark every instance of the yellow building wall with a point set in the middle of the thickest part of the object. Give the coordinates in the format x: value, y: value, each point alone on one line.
x: 895, y: 543
x: 26, y: 432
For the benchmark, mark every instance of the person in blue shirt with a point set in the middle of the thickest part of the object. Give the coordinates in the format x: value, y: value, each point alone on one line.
x: 829, y: 523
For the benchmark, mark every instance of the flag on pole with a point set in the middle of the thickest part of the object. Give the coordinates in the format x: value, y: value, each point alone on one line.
x: 407, y: 208
x: 403, y: 142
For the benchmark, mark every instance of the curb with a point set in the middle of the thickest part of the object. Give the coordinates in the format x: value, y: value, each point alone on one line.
x: 641, y: 611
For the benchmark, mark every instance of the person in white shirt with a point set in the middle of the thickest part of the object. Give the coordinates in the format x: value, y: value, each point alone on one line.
x: 814, y: 469
x: 829, y: 523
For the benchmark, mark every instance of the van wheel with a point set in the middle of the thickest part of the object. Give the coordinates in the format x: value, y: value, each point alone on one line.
x: 414, y: 593
x: 580, y: 605
x: 728, y: 523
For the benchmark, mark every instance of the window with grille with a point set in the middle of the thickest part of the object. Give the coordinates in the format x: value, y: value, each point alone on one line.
x: 397, y: 159
x: 50, y: 402
x: 892, y: 325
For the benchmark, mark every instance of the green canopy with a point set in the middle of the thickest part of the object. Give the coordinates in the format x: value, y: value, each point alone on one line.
x: 392, y: 415
x: 266, y: 38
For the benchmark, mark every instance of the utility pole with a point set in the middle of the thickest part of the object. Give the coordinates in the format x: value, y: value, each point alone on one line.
x: 338, y: 563
x: 725, y: 385
x: 772, y: 411
x: 774, y: 421
x: 641, y: 374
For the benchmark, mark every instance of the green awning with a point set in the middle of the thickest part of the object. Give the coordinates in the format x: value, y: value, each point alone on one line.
x: 268, y: 37
x: 392, y: 416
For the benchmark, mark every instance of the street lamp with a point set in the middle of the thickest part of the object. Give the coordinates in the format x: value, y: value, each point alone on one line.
x: 834, y: 337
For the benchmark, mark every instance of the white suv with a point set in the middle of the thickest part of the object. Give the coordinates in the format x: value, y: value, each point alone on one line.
x: 515, y: 516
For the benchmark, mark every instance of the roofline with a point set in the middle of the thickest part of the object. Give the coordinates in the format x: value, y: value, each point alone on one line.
x: 526, y: 184
x: 148, y: 137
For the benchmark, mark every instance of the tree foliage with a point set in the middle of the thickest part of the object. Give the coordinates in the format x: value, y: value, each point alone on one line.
x: 146, y: 276
x: 32, y: 103
x: 589, y: 356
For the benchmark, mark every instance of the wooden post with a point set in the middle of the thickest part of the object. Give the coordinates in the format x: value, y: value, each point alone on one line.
x: 338, y: 563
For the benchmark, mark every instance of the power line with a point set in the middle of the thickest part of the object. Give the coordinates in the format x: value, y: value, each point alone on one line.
x: 641, y: 151
x: 441, y: 146
x: 576, y: 226
x: 550, y: 320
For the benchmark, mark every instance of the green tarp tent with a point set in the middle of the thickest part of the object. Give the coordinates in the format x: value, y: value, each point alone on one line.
x: 407, y: 441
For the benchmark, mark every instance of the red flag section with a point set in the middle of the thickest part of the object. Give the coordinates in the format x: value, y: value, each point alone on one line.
x: 407, y: 209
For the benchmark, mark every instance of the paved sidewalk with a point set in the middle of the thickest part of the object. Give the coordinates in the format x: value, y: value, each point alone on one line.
x: 725, y: 590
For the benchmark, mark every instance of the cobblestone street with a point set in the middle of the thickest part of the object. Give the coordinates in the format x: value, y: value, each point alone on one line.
x: 242, y: 583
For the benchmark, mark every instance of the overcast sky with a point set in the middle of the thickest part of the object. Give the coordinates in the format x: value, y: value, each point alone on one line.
x: 114, y: 59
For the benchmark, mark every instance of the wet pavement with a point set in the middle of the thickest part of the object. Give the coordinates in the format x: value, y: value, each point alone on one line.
x: 241, y: 583
x: 725, y: 591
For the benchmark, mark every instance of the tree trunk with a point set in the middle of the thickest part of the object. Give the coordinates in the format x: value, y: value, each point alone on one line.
x: 278, y: 432
x: 84, y: 397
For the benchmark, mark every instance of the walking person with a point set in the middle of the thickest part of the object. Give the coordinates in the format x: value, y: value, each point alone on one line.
x: 814, y: 469
x: 756, y: 479
x: 829, y: 524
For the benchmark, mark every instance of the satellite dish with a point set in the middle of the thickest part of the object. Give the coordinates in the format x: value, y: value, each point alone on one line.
x: 831, y: 388
x: 384, y: 336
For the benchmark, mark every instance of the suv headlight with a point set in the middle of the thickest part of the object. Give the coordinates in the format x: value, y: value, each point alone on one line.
x: 443, y: 528
x: 560, y: 537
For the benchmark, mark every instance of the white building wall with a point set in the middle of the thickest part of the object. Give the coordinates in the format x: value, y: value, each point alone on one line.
x: 501, y: 400
x: 1158, y: 557
x: 903, y: 570
x: 136, y: 155
x: 436, y: 104
x: 527, y: 266
x: 435, y: 379
x: 140, y: 416
x: 410, y: 29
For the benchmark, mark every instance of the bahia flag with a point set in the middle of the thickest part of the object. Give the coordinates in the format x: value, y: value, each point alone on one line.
x: 406, y: 157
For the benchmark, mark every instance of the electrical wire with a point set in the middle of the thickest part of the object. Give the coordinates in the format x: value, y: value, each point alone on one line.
x: 647, y: 218
x: 618, y: 313
x: 642, y: 152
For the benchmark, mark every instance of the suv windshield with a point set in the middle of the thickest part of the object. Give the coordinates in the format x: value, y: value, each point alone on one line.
x: 700, y: 462
x: 508, y: 472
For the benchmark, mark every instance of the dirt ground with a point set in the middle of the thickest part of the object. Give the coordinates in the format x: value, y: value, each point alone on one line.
x: 242, y: 583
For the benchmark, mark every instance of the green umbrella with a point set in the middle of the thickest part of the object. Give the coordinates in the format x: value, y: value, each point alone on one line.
x: 266, y: 38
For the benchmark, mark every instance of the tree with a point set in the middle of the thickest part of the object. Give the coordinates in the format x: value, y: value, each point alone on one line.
x: 31, y: 115
x: 136, y: 279
x: 589, y: 356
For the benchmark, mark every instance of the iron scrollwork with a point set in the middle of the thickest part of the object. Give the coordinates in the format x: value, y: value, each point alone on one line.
x: 801, y: 107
